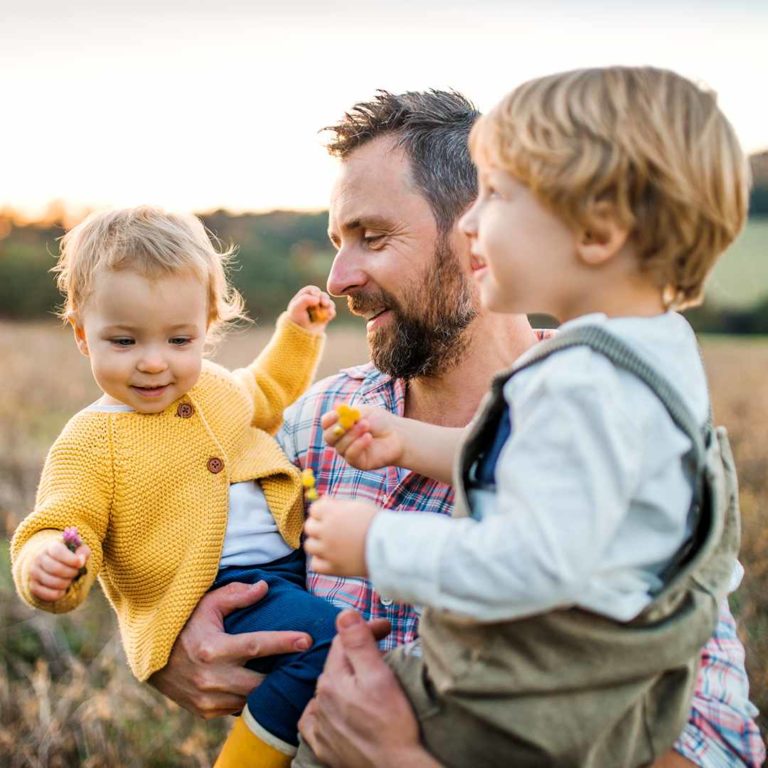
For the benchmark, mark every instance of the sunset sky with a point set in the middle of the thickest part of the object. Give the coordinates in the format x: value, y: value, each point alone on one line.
x: 196, y: 104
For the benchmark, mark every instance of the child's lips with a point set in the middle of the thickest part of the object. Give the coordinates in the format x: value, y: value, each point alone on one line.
x: 154, y: 391
x: 476, y: 262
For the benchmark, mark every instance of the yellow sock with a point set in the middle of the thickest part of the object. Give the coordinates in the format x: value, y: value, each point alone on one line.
x: 244, y: 748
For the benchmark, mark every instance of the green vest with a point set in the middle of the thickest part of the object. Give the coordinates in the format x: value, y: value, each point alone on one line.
x: 570, y: 687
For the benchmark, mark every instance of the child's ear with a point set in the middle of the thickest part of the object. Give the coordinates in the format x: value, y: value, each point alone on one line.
x: 79, y: 331
x: 602, y: 238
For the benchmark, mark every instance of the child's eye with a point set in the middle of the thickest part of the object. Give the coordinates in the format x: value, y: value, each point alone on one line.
x: 122, y: 342
x: 180, y: 341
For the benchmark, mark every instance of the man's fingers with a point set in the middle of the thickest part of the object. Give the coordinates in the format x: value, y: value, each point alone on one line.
x: 236, y: 595
x: 336, y: 666
x: 253, y: 645
x: 308, y: 722
x: 359, y: 644
x: 380, y: 628
x: 219, y: 705
x: 239, y: 685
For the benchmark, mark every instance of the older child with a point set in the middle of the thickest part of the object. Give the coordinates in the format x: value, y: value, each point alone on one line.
x: 567, y: 606
x: 172, y: 477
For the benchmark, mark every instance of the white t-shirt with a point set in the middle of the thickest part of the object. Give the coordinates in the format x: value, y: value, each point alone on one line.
x: 592, y: 494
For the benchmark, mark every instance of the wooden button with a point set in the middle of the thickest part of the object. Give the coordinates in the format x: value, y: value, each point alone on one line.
x: 215, y: 465
x: 185, y: 410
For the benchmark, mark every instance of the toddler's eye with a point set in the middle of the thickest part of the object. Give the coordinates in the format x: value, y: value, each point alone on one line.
x: 122, y: 342
x: 180, y: 341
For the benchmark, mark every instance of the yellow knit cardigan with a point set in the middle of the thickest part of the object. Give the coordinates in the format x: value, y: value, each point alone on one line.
x: 149, y: 492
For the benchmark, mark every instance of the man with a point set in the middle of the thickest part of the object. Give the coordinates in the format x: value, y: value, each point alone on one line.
x: 405, y: 178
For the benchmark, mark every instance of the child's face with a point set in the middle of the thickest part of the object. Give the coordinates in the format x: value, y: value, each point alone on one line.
x: 521, y: 253
x: 144, y: 337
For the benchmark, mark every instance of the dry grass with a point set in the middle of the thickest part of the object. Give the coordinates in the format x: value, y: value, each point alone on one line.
x: 66, y: 697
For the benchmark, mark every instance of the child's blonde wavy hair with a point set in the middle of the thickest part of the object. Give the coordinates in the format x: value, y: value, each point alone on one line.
x: 648, y: 142
x: 153, y: 243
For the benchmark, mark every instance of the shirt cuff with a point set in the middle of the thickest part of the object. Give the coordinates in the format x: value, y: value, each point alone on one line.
x: 403, y: 553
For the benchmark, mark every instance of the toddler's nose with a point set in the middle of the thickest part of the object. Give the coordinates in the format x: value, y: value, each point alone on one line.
x: 152, y: 363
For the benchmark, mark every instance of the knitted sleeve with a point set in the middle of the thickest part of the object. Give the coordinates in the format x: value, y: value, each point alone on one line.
x: 75, y: 490
x: 282, y: 372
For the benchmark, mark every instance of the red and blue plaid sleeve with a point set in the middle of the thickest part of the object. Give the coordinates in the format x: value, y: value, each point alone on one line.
x: 721, y: 731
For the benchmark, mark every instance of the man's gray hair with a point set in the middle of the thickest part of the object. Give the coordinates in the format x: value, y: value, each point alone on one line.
x: 432, y: 127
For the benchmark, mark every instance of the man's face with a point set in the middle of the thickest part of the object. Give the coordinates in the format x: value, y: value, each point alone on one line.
x: 410, y: 284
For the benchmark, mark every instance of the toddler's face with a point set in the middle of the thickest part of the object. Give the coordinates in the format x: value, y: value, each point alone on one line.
x: 145, y: 338
x: 521, y: 252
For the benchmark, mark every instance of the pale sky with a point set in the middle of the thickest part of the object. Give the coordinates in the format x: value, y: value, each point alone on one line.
x: 201, y: 104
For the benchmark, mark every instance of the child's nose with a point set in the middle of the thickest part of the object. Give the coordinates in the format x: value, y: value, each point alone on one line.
x: 152, y: 362
x: 468, y: 222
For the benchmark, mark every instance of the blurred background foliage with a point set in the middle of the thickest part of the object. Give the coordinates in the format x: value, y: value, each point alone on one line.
x: 282, y: 250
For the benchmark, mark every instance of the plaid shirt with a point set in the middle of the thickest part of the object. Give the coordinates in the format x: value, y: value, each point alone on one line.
x: 720, y: 732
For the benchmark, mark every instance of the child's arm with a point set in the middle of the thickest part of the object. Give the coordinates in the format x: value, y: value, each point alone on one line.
x: 286, y: 366
x: 564, y: 481
x: 75, y: 490
x: 382, y: 439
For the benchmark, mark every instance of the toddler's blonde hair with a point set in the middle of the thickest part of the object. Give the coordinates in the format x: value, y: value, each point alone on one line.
x: 648, y: 142
x: 153, y: 243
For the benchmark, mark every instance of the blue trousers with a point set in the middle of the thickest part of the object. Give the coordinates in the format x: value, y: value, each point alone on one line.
x: 278, y: 702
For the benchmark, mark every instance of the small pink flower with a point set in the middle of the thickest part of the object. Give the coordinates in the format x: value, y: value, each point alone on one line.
x: 72, y: 538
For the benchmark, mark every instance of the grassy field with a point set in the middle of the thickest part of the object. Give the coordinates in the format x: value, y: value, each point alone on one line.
x: 740, y: 277
x: 66, y: 697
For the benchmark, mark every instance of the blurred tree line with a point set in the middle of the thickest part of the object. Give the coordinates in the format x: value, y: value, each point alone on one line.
x: 277, y: 253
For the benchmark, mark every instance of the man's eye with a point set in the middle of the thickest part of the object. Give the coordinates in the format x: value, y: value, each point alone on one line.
x: 373, y: 240
x: 122, y: 342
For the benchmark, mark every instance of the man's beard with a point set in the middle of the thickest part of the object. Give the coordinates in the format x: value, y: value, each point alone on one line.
x: 426, y: 334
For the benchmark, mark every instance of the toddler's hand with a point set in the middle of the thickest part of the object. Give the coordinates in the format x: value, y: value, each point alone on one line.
x: 373, y: 441
x: 54, y: 570
x: 312, y: 309
x: 336, y: 531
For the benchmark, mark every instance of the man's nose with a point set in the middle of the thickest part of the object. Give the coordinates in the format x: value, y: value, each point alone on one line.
x: 346, y: 273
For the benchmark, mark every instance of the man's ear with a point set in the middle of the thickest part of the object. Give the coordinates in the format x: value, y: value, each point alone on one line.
x: 79, y: 331
x: 602, y: 238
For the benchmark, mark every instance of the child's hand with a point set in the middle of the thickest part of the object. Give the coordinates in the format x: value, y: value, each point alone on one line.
x: 54, y: 570
x: 373, y: 441
x: 336, y: 531
x: 312, y: 309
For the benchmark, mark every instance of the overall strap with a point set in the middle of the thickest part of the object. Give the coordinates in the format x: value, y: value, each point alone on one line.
x: 623, y: 356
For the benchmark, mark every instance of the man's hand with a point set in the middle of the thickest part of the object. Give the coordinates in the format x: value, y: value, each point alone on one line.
x: 205, y: 672
x: 336, y: 531
x: 360, y: 717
